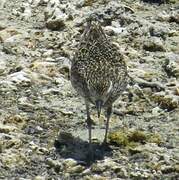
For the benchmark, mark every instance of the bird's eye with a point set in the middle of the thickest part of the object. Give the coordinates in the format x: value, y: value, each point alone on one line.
x: 83, y: 50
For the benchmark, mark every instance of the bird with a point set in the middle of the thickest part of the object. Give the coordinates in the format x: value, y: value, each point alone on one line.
x: 98, y: 72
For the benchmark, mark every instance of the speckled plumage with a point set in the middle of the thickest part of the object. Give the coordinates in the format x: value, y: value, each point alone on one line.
x: 98, y: 72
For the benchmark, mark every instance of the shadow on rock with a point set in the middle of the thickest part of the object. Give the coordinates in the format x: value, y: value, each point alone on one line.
x: 68, y: 146
x: 156, y: 1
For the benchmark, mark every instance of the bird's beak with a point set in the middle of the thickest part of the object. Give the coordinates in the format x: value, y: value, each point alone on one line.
x: 99, y: 104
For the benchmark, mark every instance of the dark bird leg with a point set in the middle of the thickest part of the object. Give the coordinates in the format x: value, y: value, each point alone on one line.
x: 89, y: 121
x: 98, y: 107
x: 108, y: 115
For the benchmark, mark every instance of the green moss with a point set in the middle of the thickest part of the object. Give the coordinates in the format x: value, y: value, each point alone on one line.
x: 89, y: 2
x: 133, y: 145
x: 155, y: 166
x: 119, y: 138
x: 165, y: 102
x: 131, y: 139
x: 154, y: 138
x: 137, y: 136
x: 173, y: 1
x: 127, y: 138
x: 176, y: 168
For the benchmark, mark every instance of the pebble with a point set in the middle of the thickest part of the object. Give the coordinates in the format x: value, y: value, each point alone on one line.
x: 159, y: 31
x: 37, y: 99
x: 55, y: 18
x: 7, y: 128
x: 163, y: 16
x: 6, y: 33
x: 2, y: 66
x: 20, y: 78
x: 2, y: 3
x: 48, y: 68
x: 48, y: 53
x: 56, y: 24
x: 174, y: 17
x: 27, y: 11
x: 36, y: 3
x: 156, y: 111
x: 11, y: 142
x: 114, y: 30
x: 2, y: 26
x: 172, y: 64
x: 39, y: 178
x: 69, y: 162
x: 154, y: 44
x: 75, y: 169
x: 54, y: 163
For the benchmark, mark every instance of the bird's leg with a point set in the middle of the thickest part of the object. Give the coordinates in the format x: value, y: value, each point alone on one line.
x: 89, y: 121
x: 89, y: 125
x: 108, y: 115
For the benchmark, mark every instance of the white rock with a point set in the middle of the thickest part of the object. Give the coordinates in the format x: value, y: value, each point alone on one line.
x: 49, y: 68
x: 48, y: 53
x: 27, y: 11
x: 53, y: 163
x: 39, y: 178
x: 7, y: 85
x: 2, y: 65
x: 2, y: 3
x: 22, y: 100
x: 115, y: 30
x: 6, y: 128
x: 8, y: 33
x: 75, y: 169
x: 64, y: 62
x: 70, y: 162
x: 156, y: 111
x: 49, y: 59
x: 172, y: 64
x: 154, y: 44
x: 40, y: 129
x: 30, y: 1
x: 19, y: 78
x: 54, y: 15
x: 34, y: 3
x: 163, y: 16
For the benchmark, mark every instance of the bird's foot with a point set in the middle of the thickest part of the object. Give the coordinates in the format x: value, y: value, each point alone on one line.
x: 105, y: 143
x: 90, y: 121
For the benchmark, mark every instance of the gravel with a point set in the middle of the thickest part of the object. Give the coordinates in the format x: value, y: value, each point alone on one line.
x: 43, y: 133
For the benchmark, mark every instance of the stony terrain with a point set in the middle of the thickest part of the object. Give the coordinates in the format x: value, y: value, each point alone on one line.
x: 43, y: 133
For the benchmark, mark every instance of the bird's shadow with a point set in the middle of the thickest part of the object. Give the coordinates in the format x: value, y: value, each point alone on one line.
x: 68, y: 146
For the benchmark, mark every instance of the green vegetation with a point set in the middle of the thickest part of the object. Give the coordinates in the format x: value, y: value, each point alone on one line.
x: 131, y: 139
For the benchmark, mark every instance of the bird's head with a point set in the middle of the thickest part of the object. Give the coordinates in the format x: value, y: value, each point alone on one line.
x: 93, y: 30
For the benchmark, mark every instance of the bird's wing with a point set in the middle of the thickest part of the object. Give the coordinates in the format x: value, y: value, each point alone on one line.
x: 78, y: 79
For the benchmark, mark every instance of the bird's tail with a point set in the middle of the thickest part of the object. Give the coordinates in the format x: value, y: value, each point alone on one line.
x: 99, y: 104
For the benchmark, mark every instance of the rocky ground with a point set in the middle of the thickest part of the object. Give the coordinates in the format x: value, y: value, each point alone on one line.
x: 43, y: 133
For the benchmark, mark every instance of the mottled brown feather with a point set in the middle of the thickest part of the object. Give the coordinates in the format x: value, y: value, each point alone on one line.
x: 98, y: 69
